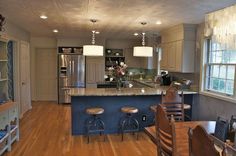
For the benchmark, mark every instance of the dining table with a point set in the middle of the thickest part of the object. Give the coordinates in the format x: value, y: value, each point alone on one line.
x: 181, y: 135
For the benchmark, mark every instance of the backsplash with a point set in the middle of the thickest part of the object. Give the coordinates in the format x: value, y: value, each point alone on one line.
x: 188, y: 76
x: 138, y: 72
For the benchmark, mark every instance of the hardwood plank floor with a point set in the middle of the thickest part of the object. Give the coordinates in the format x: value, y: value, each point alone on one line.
x: 46, y: 131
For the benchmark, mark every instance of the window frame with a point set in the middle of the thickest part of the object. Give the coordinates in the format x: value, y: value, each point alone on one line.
x: 205, y: 69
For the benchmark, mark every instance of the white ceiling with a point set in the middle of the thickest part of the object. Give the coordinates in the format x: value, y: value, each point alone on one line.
x: 116, y: 18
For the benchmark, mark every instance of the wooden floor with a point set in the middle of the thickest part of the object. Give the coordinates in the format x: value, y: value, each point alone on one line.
x: 46, y: 131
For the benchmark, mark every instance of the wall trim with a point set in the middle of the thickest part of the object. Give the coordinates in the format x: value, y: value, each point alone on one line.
x: 217, y: 96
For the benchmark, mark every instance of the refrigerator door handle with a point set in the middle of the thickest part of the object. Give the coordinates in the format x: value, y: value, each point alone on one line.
x: 70, y: 67
x: 73, y: 67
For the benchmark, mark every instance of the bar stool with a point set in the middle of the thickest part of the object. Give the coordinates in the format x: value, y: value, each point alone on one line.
x: 94, y: 124
x: 129, y: 123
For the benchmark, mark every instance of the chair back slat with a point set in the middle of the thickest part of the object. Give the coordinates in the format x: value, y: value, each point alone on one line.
x: 200, y: 144
x: 165, y: 133
x: 173, y: 103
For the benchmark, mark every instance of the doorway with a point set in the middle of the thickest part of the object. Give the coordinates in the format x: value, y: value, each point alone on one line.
x: 25, y: 96
x: 46, y: 74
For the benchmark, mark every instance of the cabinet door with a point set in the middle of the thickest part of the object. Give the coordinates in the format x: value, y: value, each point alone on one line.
x: 100, y: 72
x: 90, y: 72
x: 164, y: 56
x: 179, y: 55
x: 171, y: 56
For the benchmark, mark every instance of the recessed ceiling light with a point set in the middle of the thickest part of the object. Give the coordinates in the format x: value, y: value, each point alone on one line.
x: 97, y: 32
x: 158, y: 22
x: 135, y: 34
x: 43, y: 17
x: 55, y: 31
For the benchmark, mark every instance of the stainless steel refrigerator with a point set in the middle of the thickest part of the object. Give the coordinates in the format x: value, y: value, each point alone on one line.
x: 71, y: 73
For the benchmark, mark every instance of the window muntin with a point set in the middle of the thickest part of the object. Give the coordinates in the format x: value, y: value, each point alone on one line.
x: 220, y: 68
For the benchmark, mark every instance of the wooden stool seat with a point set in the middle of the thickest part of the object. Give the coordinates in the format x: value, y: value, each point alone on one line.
x: 129, y: 110
x: 94, y: 111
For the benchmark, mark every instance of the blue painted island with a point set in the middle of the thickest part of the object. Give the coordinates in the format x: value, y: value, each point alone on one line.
x: 112, y: 100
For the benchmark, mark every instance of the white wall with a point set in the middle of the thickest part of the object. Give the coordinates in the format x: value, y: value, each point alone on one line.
x: 38, y: 42
x: 16, y: 32
x: 78, y: 42
x: 121, y: 43
x: 127, y: 46
x: 206, y: 107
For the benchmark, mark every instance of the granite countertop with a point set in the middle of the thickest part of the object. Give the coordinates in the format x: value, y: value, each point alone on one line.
x: 152, y: 84
x: 122, y: 92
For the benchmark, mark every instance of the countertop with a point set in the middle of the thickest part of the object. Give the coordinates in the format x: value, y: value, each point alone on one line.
x: 122, y: 92
x: 152, y: 84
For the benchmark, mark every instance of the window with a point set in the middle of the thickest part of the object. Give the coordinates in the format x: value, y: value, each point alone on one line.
x: 220, y: 69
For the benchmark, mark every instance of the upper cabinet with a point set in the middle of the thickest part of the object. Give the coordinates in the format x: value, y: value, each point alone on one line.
x: 178, y: 48
x: 94, y: 71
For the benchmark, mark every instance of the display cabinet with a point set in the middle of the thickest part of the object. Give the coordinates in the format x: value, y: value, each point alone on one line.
x: 9, y: 125
x: 3, y: 70
x: 113, y: 57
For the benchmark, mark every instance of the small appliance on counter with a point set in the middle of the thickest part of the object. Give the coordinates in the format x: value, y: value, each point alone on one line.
x: 165, y: 78
x: 182, y: 84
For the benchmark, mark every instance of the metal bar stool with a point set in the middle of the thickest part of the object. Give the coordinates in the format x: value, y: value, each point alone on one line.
x: 129, y: 123
x: 94, y: 124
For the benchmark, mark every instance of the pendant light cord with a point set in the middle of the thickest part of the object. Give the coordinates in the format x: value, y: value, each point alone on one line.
x: 93, y: 31
x: 93, y: 37
x: 143, y: 33
x: 143, y: 39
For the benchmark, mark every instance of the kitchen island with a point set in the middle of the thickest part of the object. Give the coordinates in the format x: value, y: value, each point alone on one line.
x: 112, y: 100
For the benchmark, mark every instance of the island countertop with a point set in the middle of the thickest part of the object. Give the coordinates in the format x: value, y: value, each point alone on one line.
x: 122, y: 92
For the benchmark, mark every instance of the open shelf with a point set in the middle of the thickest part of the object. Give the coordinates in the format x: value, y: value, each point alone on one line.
x: 3, y: 80
x: 6, y: 105
x: 3, y: 60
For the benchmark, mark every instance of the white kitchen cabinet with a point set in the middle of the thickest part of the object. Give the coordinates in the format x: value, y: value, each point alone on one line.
x: 164, y: 56
x: 168, y: 60
x: 171, y: 56
x: 95, y: 71
x: 178, y: 47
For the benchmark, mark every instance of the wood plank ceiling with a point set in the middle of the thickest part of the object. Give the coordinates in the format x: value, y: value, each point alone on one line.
x: 117, y: 18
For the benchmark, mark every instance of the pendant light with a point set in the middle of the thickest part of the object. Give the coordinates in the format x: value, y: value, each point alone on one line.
x: 93, y: 50
x: 143, y: 51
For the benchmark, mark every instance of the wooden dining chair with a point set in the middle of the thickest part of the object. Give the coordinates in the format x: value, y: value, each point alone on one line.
x: 165, y: 134
x: 173, y: 103
x: 200, y: 143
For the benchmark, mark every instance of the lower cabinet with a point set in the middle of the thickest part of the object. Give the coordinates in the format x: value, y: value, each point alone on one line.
x: 9, y: 126
x: 95, y: 71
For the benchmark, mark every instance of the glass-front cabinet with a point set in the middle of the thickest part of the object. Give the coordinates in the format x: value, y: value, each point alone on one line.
x: 3, y: 71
